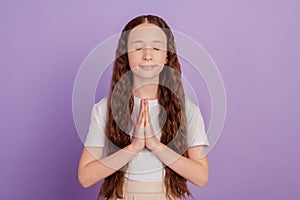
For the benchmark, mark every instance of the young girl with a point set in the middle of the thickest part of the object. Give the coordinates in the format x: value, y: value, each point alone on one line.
x: 153, y: 135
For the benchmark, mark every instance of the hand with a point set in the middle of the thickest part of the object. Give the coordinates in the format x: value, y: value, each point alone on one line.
x: 138, y: 140
x: 152, y: 142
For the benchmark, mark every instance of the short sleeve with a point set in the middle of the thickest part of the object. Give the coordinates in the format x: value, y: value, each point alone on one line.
x: 195, y: 125
x: 96, y: 134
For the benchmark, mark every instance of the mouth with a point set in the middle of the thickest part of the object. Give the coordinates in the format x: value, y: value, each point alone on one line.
x: 148, y: 66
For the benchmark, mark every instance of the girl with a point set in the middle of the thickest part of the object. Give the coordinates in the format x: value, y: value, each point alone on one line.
x: 153, y: 135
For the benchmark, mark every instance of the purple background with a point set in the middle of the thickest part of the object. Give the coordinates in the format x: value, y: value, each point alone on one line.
x: 254, y: 44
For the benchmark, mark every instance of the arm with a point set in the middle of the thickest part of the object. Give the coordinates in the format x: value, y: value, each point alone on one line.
x: 194, y: 167
x: 92, y: 168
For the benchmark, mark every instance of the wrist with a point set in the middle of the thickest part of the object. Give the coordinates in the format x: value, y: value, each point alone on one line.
x: 156, y: 145
x: 132, y: 149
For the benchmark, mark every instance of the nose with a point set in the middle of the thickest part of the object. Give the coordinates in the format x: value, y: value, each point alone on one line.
x: 147, y: 54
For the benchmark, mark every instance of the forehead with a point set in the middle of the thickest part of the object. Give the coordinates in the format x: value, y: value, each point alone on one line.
x: 146, y: 32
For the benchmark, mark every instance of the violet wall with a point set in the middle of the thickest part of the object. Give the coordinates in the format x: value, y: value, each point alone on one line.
x: 255, y: 45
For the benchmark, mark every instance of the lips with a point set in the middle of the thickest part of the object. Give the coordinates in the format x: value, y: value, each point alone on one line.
x: 148, y: 66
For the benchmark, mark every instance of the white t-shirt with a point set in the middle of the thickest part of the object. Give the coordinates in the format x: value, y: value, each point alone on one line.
x: 145, y: 166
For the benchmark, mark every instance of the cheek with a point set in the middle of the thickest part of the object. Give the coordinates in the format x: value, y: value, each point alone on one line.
x: 132, y: 59
x: 163, y: 57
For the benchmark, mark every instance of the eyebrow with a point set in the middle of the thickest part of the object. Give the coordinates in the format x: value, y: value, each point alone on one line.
x: 154, y: 41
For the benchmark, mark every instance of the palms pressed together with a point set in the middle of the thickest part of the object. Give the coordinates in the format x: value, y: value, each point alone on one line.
x: 144, y: 135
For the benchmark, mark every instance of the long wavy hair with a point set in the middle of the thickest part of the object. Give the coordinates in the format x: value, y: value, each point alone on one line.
x: 120, y: 106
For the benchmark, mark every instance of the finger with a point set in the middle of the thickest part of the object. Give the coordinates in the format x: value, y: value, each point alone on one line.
x: 140, y: 116
x: 144, y: 119
x: 139, y: 131
x: 139, y: 120
x: 143, y: 105
x: 147, y: 116
x: 144, y: 112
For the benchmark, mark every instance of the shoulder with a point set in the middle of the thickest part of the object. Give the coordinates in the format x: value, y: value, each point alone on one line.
x: 189, y: 103
x: 100, y: 107
x: 192, y: 110
x: 101, y: 104
x: 190, y: 106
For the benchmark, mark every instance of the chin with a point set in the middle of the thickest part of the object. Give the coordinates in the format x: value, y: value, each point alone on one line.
x: 147, y: 76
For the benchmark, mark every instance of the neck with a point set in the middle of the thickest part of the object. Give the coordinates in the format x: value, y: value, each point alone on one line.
x: 145, y: 88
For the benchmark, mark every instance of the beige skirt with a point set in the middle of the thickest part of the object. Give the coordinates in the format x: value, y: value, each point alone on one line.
x: 144, y: 191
